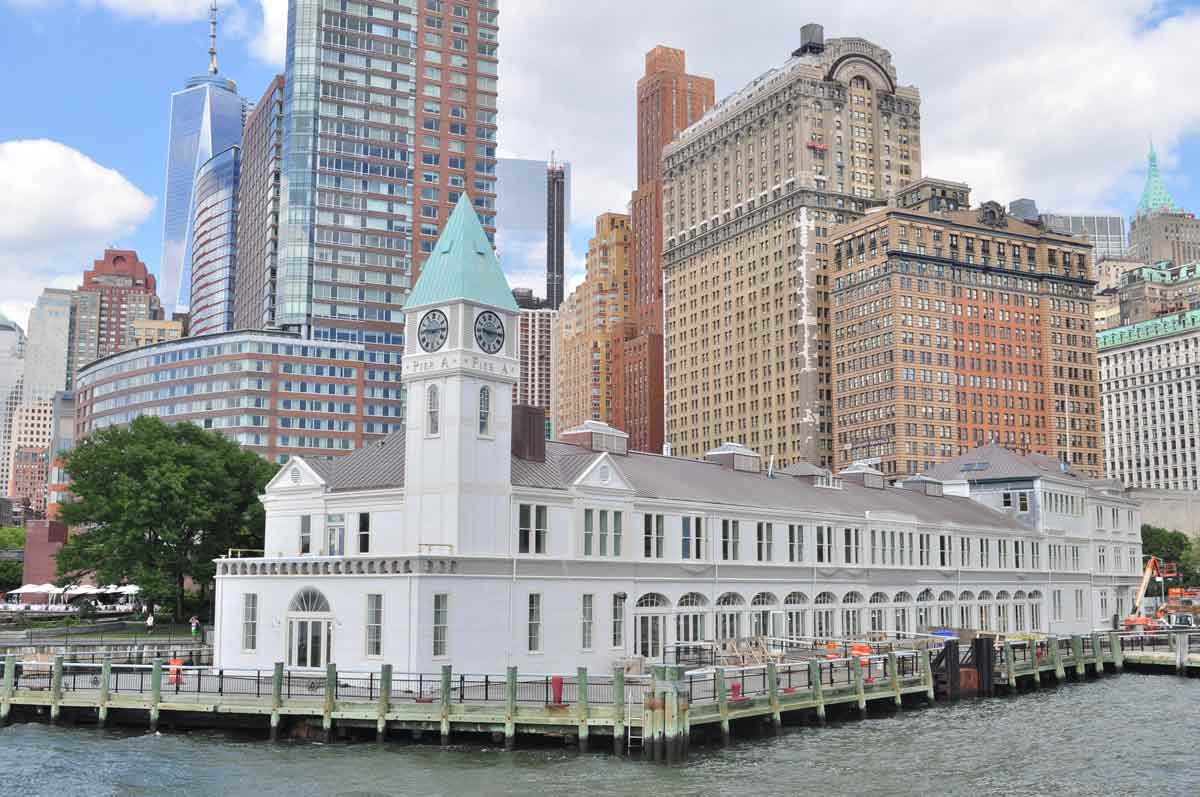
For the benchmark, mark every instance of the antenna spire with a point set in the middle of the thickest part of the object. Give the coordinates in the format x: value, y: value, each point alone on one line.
x: 212, y: 38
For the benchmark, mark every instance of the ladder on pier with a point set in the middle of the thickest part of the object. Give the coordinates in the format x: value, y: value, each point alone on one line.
x: 633, y: 736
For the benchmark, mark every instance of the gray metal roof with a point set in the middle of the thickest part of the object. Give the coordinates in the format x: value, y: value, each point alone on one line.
x: 381, y: 465
x: 996, y: 462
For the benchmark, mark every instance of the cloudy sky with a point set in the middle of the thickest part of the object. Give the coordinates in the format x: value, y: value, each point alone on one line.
x: 1052, y: 101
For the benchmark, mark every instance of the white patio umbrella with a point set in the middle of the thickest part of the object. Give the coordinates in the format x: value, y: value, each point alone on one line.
x: 26, y: 588
x: 130, y: 589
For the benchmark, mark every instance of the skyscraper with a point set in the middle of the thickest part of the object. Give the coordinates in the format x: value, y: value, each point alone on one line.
x: 389, y: 116
x: 48, y: 347
x: 750, y: 194
x: 258, y: 212
x: 12, y: 354
x: 556, y: 220
x: 1161, y: 230
x: 668, y: 101
x: 522, y: 218
x: 214, y: 243
x: 206, y: 118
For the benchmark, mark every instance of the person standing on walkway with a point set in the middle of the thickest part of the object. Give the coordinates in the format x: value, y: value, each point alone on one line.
x: 195, y: 623
x: 149, y: 621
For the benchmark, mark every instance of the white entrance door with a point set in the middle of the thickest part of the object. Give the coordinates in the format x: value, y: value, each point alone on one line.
x: 649, y: 631
x: 309, y: 640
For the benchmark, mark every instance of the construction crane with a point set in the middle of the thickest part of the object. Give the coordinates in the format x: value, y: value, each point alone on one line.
x: 1155, y: 568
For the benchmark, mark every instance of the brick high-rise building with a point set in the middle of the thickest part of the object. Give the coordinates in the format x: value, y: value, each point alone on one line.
x: 535, y: 340
x: 668, y: 101
x: 958, y: 329
x: 389, y: 116
x: 750, y: 195
x: 1160, y: 229
x: 116, y: 291
x: 591, y: 324
x: 258, y: 217
x: 31, y: 430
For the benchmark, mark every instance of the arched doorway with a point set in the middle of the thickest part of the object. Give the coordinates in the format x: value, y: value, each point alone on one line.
x: 650, y: 624
x: 310, y: 630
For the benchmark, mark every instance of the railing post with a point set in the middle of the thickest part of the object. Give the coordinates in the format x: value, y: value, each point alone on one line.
x: 330, y: 700
x: 385, y: 699
x: 618, y: 684
x: 1060, y: 672
x: 510, y: 708
x: 155, y: 692
x: 1010, y: 665
x: 856, y: 680
x: 56, y: 675
x: 773, y: 691
x: 722, y: 703
x: 445, y: 724
x: 1118, y: 654
x: 276, y: 699
x: 814, y: 682
x: 1077, y: 652
x: 581, y: 706
x: 894, y: 678
x: 105, y: 677
x: 6, y: 697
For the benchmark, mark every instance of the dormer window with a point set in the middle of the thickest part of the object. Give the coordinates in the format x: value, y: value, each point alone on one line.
x: 431, y: 408
x: 485, y: 411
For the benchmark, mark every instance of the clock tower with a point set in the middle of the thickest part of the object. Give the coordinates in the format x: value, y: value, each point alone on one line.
x: 461, y: 367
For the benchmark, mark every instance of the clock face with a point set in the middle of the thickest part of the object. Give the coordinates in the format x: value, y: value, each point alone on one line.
x: 489, y: 332
x: 432, y: 331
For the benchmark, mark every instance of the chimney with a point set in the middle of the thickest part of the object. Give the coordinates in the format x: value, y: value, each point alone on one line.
x: 529, y: 433
x: 812, y: 40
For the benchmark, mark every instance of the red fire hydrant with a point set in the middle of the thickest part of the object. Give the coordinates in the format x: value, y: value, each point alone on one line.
x: 735, y: 690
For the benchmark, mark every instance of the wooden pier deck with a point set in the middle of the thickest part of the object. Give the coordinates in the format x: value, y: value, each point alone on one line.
x: 660, y: 712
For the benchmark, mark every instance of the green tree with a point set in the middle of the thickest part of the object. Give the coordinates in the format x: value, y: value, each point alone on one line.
x: 1173, y: 546
x: 11, y: 538
x: 159, y: 503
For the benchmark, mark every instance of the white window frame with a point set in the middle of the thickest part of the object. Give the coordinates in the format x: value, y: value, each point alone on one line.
x: 250, y: 621
x: 444, y: 625
x: 369, y: 625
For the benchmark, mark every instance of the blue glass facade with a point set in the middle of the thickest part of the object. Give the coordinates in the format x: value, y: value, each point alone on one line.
x: 214, y: 243
x: 206, y: 118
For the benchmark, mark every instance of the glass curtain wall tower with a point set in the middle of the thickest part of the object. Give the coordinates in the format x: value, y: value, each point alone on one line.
x: 214, y: 247
x: 388, y: 118
x: 206, y: 118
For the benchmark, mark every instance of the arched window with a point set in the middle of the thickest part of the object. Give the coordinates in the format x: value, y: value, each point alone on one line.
x: 852, y: 597
x: 879, y: 597
x: 946, y: 597
x: 309, y: 600
x: 652, y: 600
x: 761, y: 618
x: 795, y: 599
x: 826, y: 597
x: 690, y: 620
x: 764, y: 599
x: 966, y: 595
x: 431, y: 407
x: 693, y: 599
x: 731, y: 599
x: 926, y: 595
x: 902, y: 597
x: 485, y: 410
x: 794, y: 614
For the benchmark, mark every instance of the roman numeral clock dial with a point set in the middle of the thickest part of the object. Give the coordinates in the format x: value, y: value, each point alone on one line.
x: 489, y: 332
x: 432, y: 331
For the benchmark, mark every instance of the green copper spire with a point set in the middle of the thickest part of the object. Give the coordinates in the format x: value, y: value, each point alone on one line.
x: 1155, y: 197
x: 462, y: 266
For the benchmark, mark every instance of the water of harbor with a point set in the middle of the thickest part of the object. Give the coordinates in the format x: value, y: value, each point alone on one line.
x: 1120, y: 735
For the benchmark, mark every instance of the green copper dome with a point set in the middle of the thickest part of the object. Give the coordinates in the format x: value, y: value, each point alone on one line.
x: 462, y: 267
x: 1155, y: 196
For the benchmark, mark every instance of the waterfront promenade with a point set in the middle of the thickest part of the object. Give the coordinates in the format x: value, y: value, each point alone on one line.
x: 660, y: 712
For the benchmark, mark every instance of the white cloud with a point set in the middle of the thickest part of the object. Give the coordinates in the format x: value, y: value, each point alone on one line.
x: 271, y: 41
x: 58, y: 211
x: 1051, y: 101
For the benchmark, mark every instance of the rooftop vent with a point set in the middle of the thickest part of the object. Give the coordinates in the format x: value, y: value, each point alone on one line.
x: 597, y: 436
x: 735, y: 456
x: 864, y: 474
x: 812, y: 40
x: 923, y: 485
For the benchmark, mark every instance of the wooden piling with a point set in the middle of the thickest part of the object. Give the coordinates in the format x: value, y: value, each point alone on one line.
x: 1097, y: 654
x: 1183, y: 646
x: 105, y: 677
x: 155, y: 692
x: 276, y: 699
x: 814, y: 683
x: 1118, y: 655
x: 445, y: 724
x: 1010, y: 662
x: 671, y: 740
x: 894, y: 678
x: 10, y: 685
x: 1077, y: 653
x: 618, y: 707
x: 856, y: 678
x: 385, y: 701
x: 926, y: 657
x: 773, y: 692
x: 659, y: 709
x: 510, y: 708
x: 1037, y: 666
x: 722, y: 704
x: 581, y: 707
x: 1060, y: 672
x: 330, y: 700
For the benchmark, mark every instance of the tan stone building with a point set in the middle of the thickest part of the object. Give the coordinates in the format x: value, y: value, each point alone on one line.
x: 959, y: 329
x: 144, y: 331
x: 592, y: 322
x: 1161, y: 230
x: 750, y: 195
